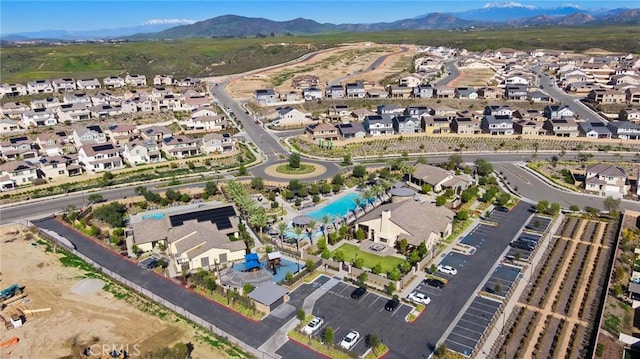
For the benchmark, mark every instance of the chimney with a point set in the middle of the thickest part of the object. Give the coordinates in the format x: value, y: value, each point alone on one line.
x: 385, y: 217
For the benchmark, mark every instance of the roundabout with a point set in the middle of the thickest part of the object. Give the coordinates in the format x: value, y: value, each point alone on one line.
x: 306, y: 170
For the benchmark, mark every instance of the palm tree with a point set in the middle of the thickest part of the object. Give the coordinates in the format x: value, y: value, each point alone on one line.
x: 298, y: 231
x: 258, y: 219
x: 366, y: 199
x: 310, y: 228
x: 408, y: 170
x: 325, y: 222
x: 358, y: 201
x: 282, y: 227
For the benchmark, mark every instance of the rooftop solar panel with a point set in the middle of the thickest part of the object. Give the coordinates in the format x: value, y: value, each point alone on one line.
x: 220, y: 216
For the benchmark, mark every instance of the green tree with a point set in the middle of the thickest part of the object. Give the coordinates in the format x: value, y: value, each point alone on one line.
x: 377, y: 268
x: 112, y: 213
x: 346, y: 160
x: 390, y: 288
x: 210, y: 189
x: 363, y: 277
x: 455, y: 161
x: 441, y: 350
x: 338, y: 256
x: 325, y: 188
x: 172, y: 195
x: 247, y: 288
x: 337, y: 180
x: 359, y: 171
x: 95, y: 198
x: 242, y: 171
x: 294, y: 185
x: 294, y: 160
x: 553, y: 209
x: 394, y: 274
x: 542, y: 206
x: 462, y: 215
x: 372, y: 340
x: 358, y: 262
x: 504, y: 199
x: 327, y: 335
x: 611, y: 204
x: 441, y: 200
x: 483, y: 167
x: 301, y: 315
x: 426, y: 188
x: 257, y: 183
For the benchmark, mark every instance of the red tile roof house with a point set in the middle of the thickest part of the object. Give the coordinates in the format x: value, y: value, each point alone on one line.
x: 606, y: 180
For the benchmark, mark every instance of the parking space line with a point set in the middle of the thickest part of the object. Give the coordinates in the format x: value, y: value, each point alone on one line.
x: 463, y: 336
x: 343, y: 289
x: 396, y: 311
x: 460, y: 344
x: 372, y: 303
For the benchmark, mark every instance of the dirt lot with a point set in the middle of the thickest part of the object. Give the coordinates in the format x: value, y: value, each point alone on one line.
x: 473, y: 77
x: 344, y: 62
x: 94, y: 320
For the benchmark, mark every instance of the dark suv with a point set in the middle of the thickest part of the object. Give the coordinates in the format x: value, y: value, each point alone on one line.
x: 358, y: 292
x: 434, y: 283
x: 392, y: 304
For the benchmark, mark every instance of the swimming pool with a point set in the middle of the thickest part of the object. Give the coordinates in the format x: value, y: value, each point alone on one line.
x: 153, y: 216
x: 336, y: 209
x: 285, y: 267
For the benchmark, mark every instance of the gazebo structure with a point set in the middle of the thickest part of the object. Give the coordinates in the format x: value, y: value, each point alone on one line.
x: 301, y: 220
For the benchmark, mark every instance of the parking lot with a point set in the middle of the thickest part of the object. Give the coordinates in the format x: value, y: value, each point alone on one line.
x: 539, y: 223
x: 470, y: 328
x: 502, y: 279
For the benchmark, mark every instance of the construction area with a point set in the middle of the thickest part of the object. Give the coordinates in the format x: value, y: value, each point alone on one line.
x: 53, y: 307
x: 555, y: 315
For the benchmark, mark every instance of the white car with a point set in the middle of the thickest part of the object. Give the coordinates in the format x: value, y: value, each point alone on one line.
x: 313, y: 325
x: 350, y: 340
x: 447, y: 270
x: 419, y: 298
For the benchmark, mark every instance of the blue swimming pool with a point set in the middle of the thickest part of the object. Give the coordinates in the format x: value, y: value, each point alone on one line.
x: 285, y: 267
x: 153, y: 216
x: 336, y: 209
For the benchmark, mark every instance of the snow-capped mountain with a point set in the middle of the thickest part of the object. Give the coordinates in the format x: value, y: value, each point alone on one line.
x: 506, y: 11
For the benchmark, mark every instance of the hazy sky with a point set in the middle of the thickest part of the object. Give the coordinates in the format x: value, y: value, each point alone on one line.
x: 26, y: 16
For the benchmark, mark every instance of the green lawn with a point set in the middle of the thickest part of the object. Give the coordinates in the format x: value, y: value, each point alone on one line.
x: 370, y: 259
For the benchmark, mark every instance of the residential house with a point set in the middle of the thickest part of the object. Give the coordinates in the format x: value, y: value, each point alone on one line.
x: 594, y: 129
x: 466, y: 126
x: 378, y: 125
x: 8, y: 125
x: 99, y: 157
x: 312, y: 94
x: 113, y: 82
x: 334, y: 92
x: 188, y: 82
x: 217, y: 143
x: 433, y: 125
x: 443, y: 111
x: 14, y: 109
x: 143, y: 103
x: 169, y: 103
x: 121, y: 133
x: 400, y: 91
x: 518, y: 79
x: 423, y: 91
x: 376, y: 92
x: 351, y: 130
x: 79, y: 97
x: 439, y: 179
x: 289, y: 116
x: 39, y: 117
x: 630, y: 114
x: 13, y: 90
x: 101, y: 98
x: 528, y: 127
x: 105, y: 111
x: 632, y: 94
x: 607, y: 96
x: 498, y: 110
x: 88, y: 84
x: 16, y: 173
x: 64, y: 84
x: 530, y: 114
x: 160, y: 92
x: 162, y: 80
x: 411, y: 81
x: 180, y: 146
x: 443, y: 92
x: 83, y: 135
x: 265, y: 96
x: 19, y: 147
x: 497, y: 125
x: 155, y: 133
x: 195, y: 237
x: 624, y: 130
x: 323, y: 131
x: 516, y: 92
x: 539, y: 96
x: 557, y: 111
x: 416, y: 111
x: 606, y: 180
x: 141, y: 152
x: 390, y: 110
x: 205, y: 123
x: 50, y: 167
x: 355, y: 90
x: 54, y: 144
x: 73, y: 112
x: 489, y: 93
x: 562, y: 127
x: 410, y: 221
x: 403, y: 124
x: 48, y: 102
x: 468, y: 93
x: 360, y: 113
x: 290, y: 96
x: 39, y: 86
x: 339, y: 113
x: 135, y: 80
x: 195, y: 102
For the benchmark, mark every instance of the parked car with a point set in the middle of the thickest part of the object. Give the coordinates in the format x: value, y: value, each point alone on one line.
x: 358, y: 292
x: 392, y: 304
x: 350, y: 340
x: 434, y: 282
x: 313, y: 325
x: 523, y: 245
x: 419, y: 298
x: 447, y: 270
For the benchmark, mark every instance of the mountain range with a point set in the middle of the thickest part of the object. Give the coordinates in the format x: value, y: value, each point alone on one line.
x: 492, y: 15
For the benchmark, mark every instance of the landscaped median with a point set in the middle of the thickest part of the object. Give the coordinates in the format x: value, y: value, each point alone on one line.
x: 332, y: 351
x: 415, y: 313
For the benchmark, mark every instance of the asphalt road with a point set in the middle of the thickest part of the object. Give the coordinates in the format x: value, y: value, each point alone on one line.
x: 375, y: 64
x: 244, y: 329
x: 453, y: 73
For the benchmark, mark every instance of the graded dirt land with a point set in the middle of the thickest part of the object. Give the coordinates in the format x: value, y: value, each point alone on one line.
x: 346, y: 63
x: 82, y: 315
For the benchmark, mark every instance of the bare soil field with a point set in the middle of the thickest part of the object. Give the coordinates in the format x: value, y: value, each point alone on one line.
x: 473, y: 77
x: 81, y: 317
x: 346, y: 62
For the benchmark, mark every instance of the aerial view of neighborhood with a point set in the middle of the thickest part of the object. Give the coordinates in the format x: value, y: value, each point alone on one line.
x: 319, y: 179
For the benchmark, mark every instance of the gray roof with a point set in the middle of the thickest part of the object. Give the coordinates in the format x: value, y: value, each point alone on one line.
x: 194, y: 238
x: 596, y: 126
x: 430, y: 174
x: 268, y: 293
x: 402, y: 192
x: 350, y: 128
x: 607, y: 170
x: 634, y: 287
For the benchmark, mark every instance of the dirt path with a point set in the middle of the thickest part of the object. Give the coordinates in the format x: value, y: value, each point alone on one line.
x: 546, y: 311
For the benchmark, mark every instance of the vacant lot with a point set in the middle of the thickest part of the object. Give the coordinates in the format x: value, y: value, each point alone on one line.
x: 473, y: 77
x: 563, y: 299
x: 77, y: 321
